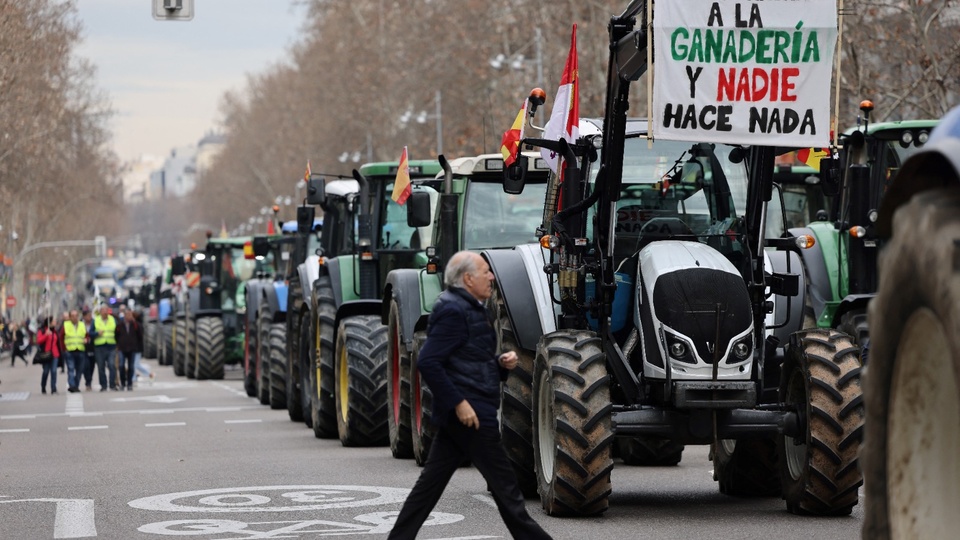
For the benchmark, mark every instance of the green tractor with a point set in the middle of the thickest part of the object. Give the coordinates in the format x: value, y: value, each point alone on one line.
x: 473, y: 213
x: 347, y: 379
x: 841, y: 266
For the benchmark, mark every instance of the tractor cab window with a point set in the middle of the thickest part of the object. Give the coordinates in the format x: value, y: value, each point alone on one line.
x: 494, y: 219
x: 681, y: 191
x: 394, y: 232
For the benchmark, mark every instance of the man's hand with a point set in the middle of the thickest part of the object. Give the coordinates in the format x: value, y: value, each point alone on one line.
x: 466, y: 415
x: 508, y: 360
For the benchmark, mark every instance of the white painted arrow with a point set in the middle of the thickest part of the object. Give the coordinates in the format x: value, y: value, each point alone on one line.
x: 149, y: 399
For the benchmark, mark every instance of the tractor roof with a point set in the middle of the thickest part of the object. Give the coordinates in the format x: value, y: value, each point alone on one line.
x: 418, y: 168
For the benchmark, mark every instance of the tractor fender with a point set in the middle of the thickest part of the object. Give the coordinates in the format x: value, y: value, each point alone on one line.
x: 255, y: 296
x: 776, y: 261
x: 308, y: 272
x: 403, y: 285
x: 163, y: 309
x: 525, y: 291
x: 274, y: 293
x: 851, y: 302
x: 333, y: 270
x: 354, y: 308
x: 816, y: 278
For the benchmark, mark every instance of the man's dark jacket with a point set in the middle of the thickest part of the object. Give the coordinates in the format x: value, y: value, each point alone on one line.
x: 128, y: 335
x: 459, y: 358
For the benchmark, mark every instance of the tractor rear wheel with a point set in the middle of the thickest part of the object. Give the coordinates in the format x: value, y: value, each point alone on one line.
x: 854, y: 324
x: 150, y: 340
x: 746, y: 468
x: 573, y: 435
x: 422, y: 429
x: 819, y: 471
x: 166, y: 350
x: 277, y: 340
x: 210, y: 348
x: 398, y: 388
x: 250, y: 361
x: 322, y: 406
x: 516, y: 404
x: 176, y: 346
x: 912, y: 384
x: 304, y: 359
x: 264, y: 319
x: 190, y: 348
x: 292, y: 363
x: 360, y: 373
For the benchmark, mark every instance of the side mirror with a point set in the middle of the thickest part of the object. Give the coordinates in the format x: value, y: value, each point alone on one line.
x: 178, y: 266
x: 261, y: 246
x: 418, y: 209
x: 515, y: 176
x: 316, y: 190
x: 305, y: 219
x: 830, y: 173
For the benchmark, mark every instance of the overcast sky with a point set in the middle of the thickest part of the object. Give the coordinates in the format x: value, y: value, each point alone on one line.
x: 165, y: 79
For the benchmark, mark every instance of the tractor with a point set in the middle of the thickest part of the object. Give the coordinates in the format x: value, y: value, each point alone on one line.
x: 473, y: 213
x: 912, y: 386
x: 655, y: 312
x: 347, y: 379
x: 265, y: 251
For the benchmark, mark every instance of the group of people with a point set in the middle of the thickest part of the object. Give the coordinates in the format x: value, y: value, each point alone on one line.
x: 112, y: 345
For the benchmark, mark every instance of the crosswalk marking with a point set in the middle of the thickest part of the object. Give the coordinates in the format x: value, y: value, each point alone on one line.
x: 74, y: 404
x: 14, y: 396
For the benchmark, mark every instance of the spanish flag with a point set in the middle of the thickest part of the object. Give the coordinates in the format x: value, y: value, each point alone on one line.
x: 306, y: 174
x: 812, y: 156
x: 510, y: 144
x: 401, y: 185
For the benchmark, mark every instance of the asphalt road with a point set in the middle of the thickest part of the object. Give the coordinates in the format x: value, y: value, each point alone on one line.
x: 200, y: 459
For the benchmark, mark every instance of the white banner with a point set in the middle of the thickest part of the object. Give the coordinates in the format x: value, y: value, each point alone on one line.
x: 744, y: 72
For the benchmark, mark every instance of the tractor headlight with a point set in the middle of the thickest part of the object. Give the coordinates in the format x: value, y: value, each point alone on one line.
x: 742, y: 349
x: 678, y: 348
x: 923, y: 137
x: 906, y: 138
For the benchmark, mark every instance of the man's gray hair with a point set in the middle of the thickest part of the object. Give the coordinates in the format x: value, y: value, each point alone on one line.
x: 462, y: 262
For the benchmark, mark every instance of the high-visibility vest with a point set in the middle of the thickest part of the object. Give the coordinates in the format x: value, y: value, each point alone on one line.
x: 73, y: 335
x: 106, y: 331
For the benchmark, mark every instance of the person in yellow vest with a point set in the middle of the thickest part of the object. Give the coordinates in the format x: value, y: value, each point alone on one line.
x: 74, y: 336
x: 105, y: 346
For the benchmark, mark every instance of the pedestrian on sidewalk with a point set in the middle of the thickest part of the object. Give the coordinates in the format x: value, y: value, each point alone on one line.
x: 105, y: 347
x: 20, y: 345
x: 460, y: 365
x: 129, y: 339
x: 74, y: 338
x: 48, y: 353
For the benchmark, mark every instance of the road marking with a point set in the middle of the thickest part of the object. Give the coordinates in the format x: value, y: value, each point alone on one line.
x: 18, y: 430
x: 149, y: 399
x: 233, y: 390
x: 250, y: 421
x: 135, y: 411
x: 224, y: 409
x: 84, y: 414
x: 165, y: 424
x: 74, y: 404
x: 75, y: 518
x: 487, y: 500
x: 250, y: 499
x: 14, y: 396
x: 19, y: 417
x: 79, y: 428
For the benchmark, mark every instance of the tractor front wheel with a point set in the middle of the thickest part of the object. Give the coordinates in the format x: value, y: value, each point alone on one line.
x: 360, y: 373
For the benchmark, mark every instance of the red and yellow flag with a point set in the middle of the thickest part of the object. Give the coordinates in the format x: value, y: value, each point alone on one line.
x: 401, y: 184
x: 510, y: 143
x: 306, y: 174
x: 812, y: 156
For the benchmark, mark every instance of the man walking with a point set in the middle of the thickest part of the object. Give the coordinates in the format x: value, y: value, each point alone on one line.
x: 74, y: 338
x: 105, y: 347
x: 89, y: 360
x: 21, y: 343
x: 459, y: 364
x: 129, y: 336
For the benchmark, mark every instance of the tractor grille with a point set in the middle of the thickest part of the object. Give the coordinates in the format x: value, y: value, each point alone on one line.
x: 686, y: 301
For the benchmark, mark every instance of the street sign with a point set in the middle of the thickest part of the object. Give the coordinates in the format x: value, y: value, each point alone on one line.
x: 11, y: 301
x: 173, y: 10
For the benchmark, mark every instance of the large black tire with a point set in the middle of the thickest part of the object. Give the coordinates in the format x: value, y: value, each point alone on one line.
x: 306, y: 365
x: 292, y: 375
x: 819, y: 473
x: 277, y: 339
x: 176, y: 345
x: 150, y: 340
x: 573, y: 435
x: 189, y: 349
x: 264, y: 320
x: 398, y: 388
x: 361, y: 374
x: 323, y: 410
x: 422, y: 429
x: 516, y: 404
x: 210, y: 348
x: 649, y: 451
x: 746, y: 468
x: 250, y: 350
x: 854, y: 324
x: 166, y: 353
x: 912, y: 384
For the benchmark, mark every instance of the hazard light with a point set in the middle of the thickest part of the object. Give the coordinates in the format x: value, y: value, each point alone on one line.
x: 806, y: 241
x: 858, y: 231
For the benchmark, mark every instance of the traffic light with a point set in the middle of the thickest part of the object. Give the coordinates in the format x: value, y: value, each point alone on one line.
x: 173, y: 10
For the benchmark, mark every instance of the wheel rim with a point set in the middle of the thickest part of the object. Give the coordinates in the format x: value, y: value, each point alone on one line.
x: 545, y: 435
x: 728, y: 445
x: 923, y: 433
x: 796, y: 451
x: 344, y: 383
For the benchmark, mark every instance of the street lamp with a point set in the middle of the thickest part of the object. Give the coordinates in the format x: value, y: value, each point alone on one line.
x: 516, y: 60
x: 422, y: 117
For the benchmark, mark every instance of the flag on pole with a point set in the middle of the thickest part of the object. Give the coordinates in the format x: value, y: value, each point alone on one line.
x: 223, y: 229
x: 812, y: 156
x: 306, y: 174
x: 271, y: 229
x: 564, y: 120
x: 45, y: 297
x: 401, y: 184
x: 510, y: 144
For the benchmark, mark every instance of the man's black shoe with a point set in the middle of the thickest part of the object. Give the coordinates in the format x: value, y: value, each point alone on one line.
x: 73, y: 389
